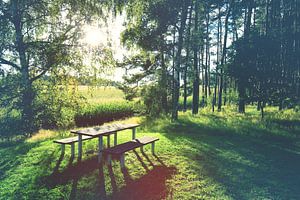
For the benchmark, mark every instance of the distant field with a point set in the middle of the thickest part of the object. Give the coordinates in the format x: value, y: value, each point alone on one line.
x: 96, y: 95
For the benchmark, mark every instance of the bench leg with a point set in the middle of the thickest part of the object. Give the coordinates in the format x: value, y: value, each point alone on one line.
x: 73, y: 150
x: 100, y: 141
x: 79, y: 147
x: 62, y: 149
x: 153, y: 145
x: 122, y: 160
x: 108, y: 141
x: 133, y: 133
x: 115, y: 139
x: 109, y: 159
x: 142, y: 148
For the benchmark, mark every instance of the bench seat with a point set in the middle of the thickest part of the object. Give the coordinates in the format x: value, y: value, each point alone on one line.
x: 128, y: 146
x: 71, y: 140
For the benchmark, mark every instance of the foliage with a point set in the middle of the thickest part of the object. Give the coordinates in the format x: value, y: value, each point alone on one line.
x: 41, y: 39
x: 9, y: 124
x: 56, y: 103
x: 152, y: 98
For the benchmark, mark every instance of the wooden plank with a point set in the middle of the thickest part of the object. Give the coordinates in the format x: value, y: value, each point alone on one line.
x: 71, y: 140
x: 128, y: 146
x: 122, y: 148
x: 146, y: 140
x: 103, y: 130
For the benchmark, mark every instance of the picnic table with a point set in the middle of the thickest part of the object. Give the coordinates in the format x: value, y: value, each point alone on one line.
x: 101, y: 131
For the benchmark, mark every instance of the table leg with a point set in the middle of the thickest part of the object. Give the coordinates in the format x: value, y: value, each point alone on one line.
x: 72, y: 150
x: 79, y: 147
x: 109, y: 160
x: 115, y: 139
x: 100, y: 148
x: 122, y: 161
x: 62, y: 149
x: 153, y: 146
x: 133, y: 133
x: 108, y: 141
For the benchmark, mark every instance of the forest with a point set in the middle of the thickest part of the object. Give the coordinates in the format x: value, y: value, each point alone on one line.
x: 218, y: 82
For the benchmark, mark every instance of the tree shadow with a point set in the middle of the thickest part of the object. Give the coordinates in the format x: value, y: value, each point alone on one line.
x: 150, y: 186
x: 58, y: 162
x: 250, y: 162
x: 13, y: 153
x: 71, y: 172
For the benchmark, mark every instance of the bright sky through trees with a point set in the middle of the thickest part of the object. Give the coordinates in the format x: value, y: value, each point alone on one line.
x: 107, y: 34
x: 94, y: 36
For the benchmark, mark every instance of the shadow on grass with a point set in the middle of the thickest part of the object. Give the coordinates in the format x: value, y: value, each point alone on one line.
x: 248, y: 160
x: 150, y: 186
x: 11, y: 155
x: 71, y: 172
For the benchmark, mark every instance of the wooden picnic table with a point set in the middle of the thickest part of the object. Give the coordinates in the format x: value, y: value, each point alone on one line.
x: 101, y: 131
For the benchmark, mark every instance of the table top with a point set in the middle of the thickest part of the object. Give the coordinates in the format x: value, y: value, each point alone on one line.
x: 105, y: 129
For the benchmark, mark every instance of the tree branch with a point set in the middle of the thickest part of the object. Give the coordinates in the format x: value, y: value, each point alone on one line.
x: 39, y: 75
x: 6, y: 62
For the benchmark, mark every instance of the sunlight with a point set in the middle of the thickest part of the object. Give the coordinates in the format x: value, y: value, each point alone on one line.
x: 94, y: 36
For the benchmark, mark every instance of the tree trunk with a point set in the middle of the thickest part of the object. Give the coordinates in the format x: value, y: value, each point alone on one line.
x: 223, y: 59
x: 242, y: 89
x: 178, y: 63
x: 258, y: 105
x: 164, y: 85
x: 27, y: 94
x: 196, y: 68
x: 262, y: 111
x: 187, y: 61
x: 207, y: 53
x: 242, y: 96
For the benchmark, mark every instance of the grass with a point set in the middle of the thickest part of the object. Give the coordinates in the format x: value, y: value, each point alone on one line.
x: 104, y: 104
x: 98, y: 114
x: 208, y: 156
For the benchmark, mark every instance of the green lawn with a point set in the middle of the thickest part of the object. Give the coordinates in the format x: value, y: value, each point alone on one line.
x: 208, y: 156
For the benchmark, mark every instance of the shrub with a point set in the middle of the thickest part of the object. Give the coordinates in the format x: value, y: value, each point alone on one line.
x: 56, y: 105
x: 153, y: 99
x: 10, y: 124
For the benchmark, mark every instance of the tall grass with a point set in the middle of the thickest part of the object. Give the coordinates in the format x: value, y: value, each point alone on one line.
x: 96, y: 114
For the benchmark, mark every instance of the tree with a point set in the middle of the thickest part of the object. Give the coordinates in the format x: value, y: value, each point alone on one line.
x: 36, y: 37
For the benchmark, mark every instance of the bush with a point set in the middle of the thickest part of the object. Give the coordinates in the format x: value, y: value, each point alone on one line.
x: 56, y: 105
x: 10, y: 124
x: 152, y: 97
x: 104, y: 112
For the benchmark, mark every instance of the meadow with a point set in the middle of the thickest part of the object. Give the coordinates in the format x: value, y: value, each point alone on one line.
x: 103, y: 104
x: 221, y: 155
x: 96, y: 94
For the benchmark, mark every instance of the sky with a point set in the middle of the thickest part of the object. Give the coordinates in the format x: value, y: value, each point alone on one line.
x: 101, y: 33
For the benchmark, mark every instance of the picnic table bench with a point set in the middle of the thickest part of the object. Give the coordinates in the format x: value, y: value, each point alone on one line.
x: 70, y: 141
x: 120, y: 149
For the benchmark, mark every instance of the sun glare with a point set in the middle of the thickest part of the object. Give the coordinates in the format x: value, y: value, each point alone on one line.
x: 94, y: 36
